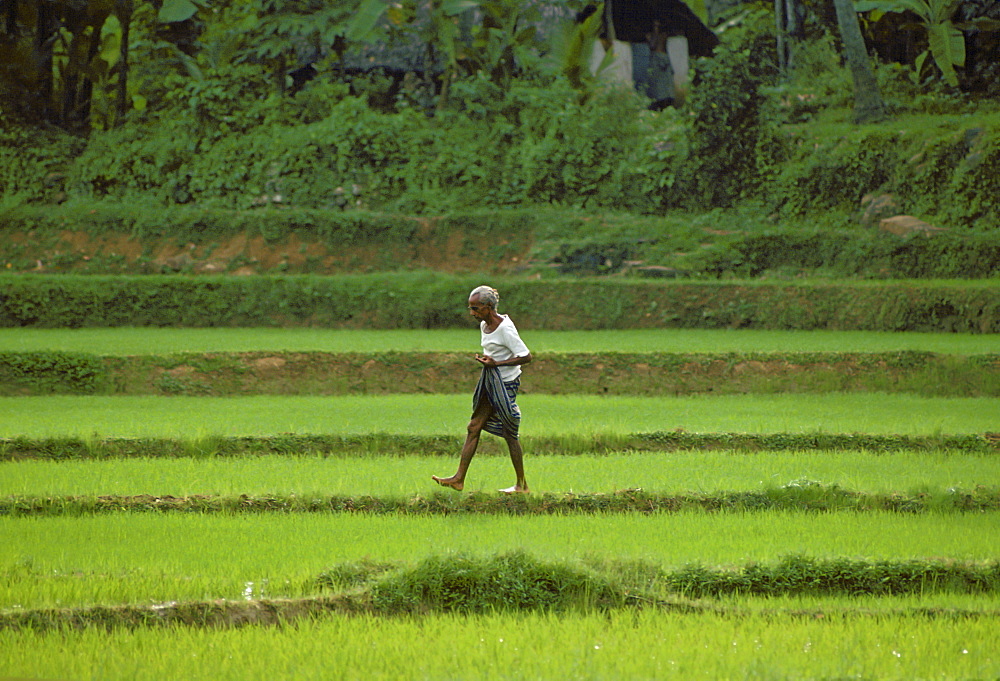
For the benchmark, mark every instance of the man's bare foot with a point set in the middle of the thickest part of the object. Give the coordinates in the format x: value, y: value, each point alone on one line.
x: 516, y: 489
x: 456, y: 485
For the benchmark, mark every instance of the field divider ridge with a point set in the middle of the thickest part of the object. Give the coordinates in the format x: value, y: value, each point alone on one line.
x: 388, y: 444
x: 613, y: 373
x: 807, y: 496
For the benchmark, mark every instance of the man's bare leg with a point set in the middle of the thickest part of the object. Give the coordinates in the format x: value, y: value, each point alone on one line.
x: 517, y: 459
x: 474, y: 430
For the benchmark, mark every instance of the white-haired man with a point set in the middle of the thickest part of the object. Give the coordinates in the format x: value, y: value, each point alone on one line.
x: 494, y: 405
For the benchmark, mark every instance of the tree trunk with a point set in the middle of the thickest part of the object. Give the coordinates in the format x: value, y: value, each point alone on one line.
x: 77, y: 87
x: 85, y: 92
x: 781, y: 37
x: 868, y: 105
x: 793, y: 31
x: 43, y: 61
x: 10, y: 15
x: 124, y: 12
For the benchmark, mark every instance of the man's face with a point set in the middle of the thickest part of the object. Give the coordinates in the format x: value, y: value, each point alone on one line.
x: 480, y: 311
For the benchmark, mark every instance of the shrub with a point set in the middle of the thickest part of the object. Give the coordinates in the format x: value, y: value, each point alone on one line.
x: 435, y: 301
x: 732, y: 151
x: 953, y: 178
x: 33, y: 163
x: 804, y: 574
x: 511, y: 581
x: 45, y: 372
x: 946, y: 255
x: 833, y: 174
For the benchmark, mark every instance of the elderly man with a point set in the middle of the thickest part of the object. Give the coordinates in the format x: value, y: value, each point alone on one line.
x: 494, y: 408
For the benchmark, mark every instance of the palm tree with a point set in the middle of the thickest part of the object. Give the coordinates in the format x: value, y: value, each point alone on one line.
x: 868, y: 105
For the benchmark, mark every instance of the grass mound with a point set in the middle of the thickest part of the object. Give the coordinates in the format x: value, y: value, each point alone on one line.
x: 837, y: 576
x: 510, y: 581
x: 518, y: 582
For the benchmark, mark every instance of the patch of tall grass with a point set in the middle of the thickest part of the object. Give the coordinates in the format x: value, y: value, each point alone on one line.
x: 154, y: 341
x: 149, y: 416
x: 148, y: 558
x: 912, y: 473
x: 631, y: 645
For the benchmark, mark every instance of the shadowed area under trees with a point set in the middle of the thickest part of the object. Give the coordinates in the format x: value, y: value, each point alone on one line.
x: 428, y: 107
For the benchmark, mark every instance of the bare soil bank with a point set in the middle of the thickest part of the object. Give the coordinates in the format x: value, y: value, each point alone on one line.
x: 79, y: 251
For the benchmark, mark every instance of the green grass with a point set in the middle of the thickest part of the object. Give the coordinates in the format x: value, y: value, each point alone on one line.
x: 151, y: 341
x: 193, y: 417
x: 148, y: 558
x: 866, y: 603
x: 632, y: 645
x: 907, y: 473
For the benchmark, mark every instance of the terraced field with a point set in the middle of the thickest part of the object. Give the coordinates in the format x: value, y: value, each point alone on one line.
x: 706, y: 505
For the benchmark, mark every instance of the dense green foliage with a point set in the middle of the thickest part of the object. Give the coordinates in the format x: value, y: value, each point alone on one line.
x: 43, y: 372
x: 372, y: 301
x: 946, y: 255
x: 536, y: 146
x: 32, y: 163
x: 218, y: 132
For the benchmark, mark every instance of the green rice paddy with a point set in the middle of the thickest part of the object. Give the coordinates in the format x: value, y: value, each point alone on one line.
x: 149, y: 341
x: 69, y: 565
x: 909, y: 473
x: 148, y: 558
x: 153, y: 416
x: 644, y: 645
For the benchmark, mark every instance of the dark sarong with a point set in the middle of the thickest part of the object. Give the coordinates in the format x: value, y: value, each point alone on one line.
x: 506, y: 418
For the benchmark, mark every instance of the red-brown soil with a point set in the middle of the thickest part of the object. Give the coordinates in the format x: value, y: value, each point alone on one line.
x: 80, y: 251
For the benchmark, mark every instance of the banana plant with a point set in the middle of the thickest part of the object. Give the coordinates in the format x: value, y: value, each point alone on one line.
x: 946, y: 44
x: 500, y: 38
x: 571, y: 51
x: 177, y: 10
x: 502, y: 35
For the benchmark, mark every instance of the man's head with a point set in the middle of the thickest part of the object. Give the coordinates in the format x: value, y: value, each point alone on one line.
x: 483, y: 302
x: 486, y: 296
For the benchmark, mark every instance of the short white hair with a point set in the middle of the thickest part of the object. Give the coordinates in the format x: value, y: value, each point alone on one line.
x: 487, y: 295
